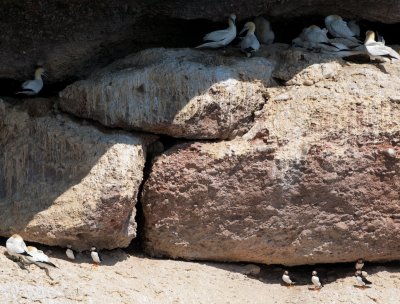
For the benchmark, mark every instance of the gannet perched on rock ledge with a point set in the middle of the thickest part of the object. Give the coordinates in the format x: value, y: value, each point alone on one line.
x: 378, y: 48
x: 16, y: 246
x: 249, y: 44
x: 338, y: 28
x: 220, y: 38
x: 34, y: 86
x: 38, y: 257
x: 264, y: 32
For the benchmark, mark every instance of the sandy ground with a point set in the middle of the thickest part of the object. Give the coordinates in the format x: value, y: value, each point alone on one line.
x: 133, y: 278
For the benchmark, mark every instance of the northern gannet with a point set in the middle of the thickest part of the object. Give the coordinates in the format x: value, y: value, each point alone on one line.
x: 361, y: 279
x: 220, y: 38
x: 315, y: 38
x: 315, y: 280
x: 359, y: 264
x: 286, y: 279
x: 95, y: 256
x: 249, y: 44
x: 38, y: 257
x: 32, y: 87
x: 318, y: 39
x: 378, y: 49
x: 16, y: 246
x: 338, y: 28
x: 354, y: 27
x: 70, y: 253
x: 264, y: 32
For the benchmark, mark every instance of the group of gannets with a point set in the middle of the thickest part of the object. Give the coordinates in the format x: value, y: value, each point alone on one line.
x: 259, y: 30
x: 345, y: 40
x: 17, y: 249
x: 361, y: 277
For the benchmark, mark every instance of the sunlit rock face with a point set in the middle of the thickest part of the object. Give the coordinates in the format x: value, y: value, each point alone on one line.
x: 315, y: 180
x: 63, y: 182
x: 181, y: 93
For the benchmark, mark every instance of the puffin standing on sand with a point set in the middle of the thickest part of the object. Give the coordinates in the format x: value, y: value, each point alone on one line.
x: 286, y: 279
x: 95, y: 257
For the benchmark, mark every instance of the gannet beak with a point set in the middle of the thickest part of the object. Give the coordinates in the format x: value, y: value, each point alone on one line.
x: 243, y: 30
x: 45, y: 74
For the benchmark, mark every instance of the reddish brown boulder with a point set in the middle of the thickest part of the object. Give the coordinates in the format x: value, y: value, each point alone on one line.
x: 316, y: 180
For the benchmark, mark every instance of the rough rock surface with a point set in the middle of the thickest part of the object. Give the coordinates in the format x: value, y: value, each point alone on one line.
x: 312, y: 182
x: 180, y: 93
x: 63, y: 182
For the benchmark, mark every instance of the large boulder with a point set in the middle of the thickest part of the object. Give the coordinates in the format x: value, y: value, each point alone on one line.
x: 180, y: 93
x: 65, y: 182
x: 316, y: 180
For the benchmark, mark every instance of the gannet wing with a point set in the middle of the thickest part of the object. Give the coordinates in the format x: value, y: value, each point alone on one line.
x: 377, y: 49
x: 216, y: 35
x: 342, y: 30
x: 33, y: 85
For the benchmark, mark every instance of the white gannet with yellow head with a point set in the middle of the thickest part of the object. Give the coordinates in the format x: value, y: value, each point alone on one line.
x: 38, y: 257
x: 264, y: 32
x: 220, y: 38
x: 16, y: 246
x: 34, y: 86
x: 338, y: 28
x: 379, y: 49
x: 249, y: 44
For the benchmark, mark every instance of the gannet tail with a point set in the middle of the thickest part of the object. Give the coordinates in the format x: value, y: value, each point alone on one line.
x: 27, y: 92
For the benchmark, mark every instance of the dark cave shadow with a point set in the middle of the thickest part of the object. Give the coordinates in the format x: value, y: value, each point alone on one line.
x: 328, y: 273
